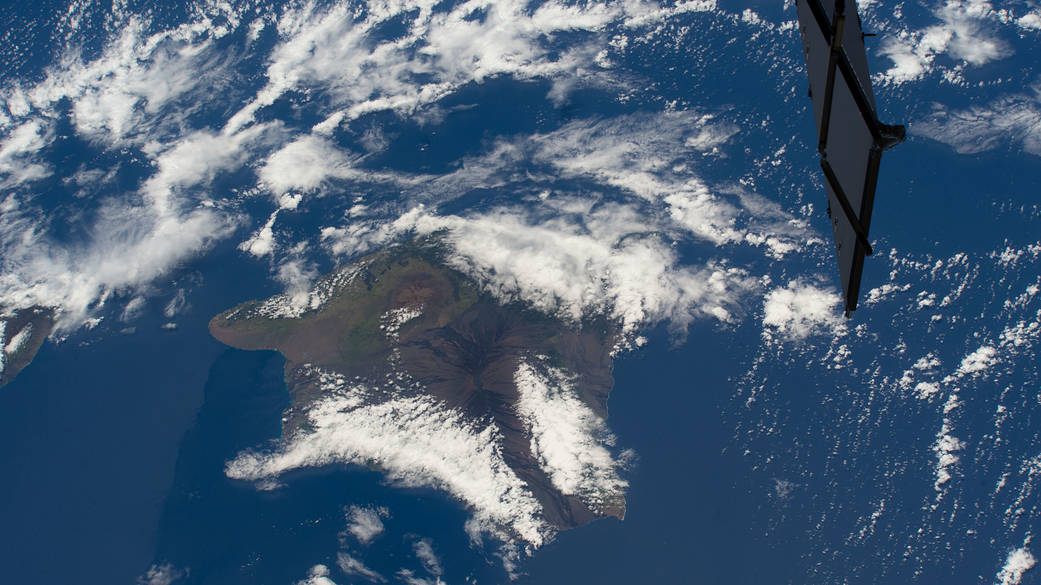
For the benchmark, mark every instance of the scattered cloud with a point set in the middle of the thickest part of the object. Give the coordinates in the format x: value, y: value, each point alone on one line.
x: 424, y: 551
x: 352, y: 567
x: 440, y: 51
x: 1030, y: 21
x: 162, y: 574
x: 133, y: 309
x: 318, y: 575
x: 262, y: 242
x: 144, y: 91
x: 365, y: 524
x: 970, y: 384
x: 137, y: 87
x: 18, y: 163
x: 946, y: 448
x: 977, y: 361
x: 133, y: 96
x: 657, y: 158
x: 194, y: 160
x: 409, y: 577
x: 799, y: 310
x: 130, y: 248
x: 177, y: 305
x: 1019, y: 561
x: 967, y: 31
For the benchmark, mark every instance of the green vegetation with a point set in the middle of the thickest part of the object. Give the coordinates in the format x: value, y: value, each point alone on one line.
x: 345, y: 332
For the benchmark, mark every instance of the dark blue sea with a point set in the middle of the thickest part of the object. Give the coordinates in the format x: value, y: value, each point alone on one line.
x: 113, y: 442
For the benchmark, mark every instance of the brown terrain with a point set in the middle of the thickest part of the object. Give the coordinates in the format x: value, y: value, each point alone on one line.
x: 40, y: 322
x: 464, y: 349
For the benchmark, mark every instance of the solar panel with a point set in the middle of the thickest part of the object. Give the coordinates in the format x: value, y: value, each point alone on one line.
x: 850, y: 138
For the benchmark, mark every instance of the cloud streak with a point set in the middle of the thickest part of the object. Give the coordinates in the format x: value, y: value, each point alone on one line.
x: 1013, y: 120
x: 419, y: 443
x: 571, y: 443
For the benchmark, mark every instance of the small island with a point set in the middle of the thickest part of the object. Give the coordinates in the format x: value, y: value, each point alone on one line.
x: 402, y: 323
x: 22, y: 333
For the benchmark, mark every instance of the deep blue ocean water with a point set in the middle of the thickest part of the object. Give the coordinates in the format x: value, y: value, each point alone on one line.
x: 114, y: 443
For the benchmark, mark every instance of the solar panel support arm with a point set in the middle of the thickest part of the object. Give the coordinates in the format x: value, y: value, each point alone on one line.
x: 838, y: 24
x: 847, y: 208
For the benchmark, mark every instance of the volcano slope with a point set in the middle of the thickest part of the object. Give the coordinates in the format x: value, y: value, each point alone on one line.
x: 401, y: 325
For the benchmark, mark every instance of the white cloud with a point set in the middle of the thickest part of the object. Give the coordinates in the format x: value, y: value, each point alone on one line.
x: 351, y: 567
x: 408, y: 577
x: 926, y: 390
x: 656, y: 157
x: 337, y: 50
x: 607, y: 265
x: 17, y: 341
x: 297, y: 274
x: 417, y: 442
x: 1030, y: 21
x: 17, y: 149
x: 142, y: 91
x: 946, y: 448
x: 981, y: 392
x: 798, y: 310
x: 133, y: 238
x: 304, y: 164
x: 318, y: 575
x: 195, y: 160
x: 130, y: 248
x: 133, y: 308
x: 1011, y: 120
x: 1019, y: 561
x: 161, y: 574
x: 365, y: 523
x: 570, y: 442
x: 977, y: 361
x: 424, y: 551
x: 3, y: 342
x: 177, y: 305
x: 262, y: 242
x: 966, y: 31
x: 126, y: 93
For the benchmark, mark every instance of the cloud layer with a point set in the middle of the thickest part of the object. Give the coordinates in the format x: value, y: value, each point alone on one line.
x: 149, y: 89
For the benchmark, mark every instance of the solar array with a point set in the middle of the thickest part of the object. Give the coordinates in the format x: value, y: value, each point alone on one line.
x: 850, y: 139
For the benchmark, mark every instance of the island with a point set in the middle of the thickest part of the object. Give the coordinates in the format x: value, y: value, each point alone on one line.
x: 402, y: 322
x: 22, y: 333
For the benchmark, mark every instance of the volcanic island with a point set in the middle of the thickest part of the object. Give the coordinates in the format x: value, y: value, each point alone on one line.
x: 407, y: 324
x: 22, y: 333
